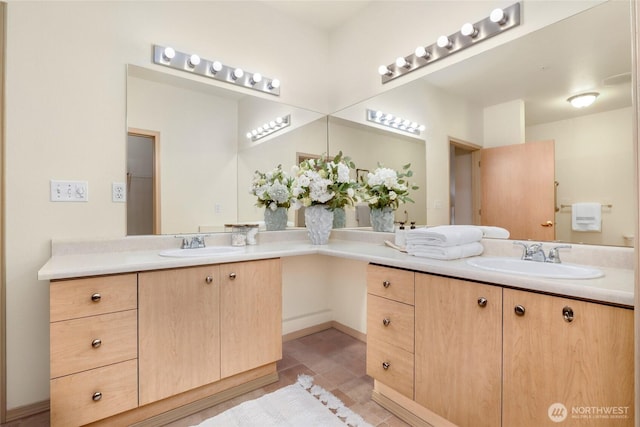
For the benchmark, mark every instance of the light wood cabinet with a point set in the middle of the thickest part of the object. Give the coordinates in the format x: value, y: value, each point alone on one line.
x: 566, y: 359
x: 390, y: 320
x: 250, y: 315
x: 179, y: 327
x: 93, y: 348
x: 459, y: 350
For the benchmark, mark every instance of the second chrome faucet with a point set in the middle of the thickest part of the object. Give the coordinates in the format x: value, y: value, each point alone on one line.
x: 535, y: 252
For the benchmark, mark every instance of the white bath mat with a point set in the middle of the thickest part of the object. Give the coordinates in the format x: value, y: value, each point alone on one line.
x: 300, y: 404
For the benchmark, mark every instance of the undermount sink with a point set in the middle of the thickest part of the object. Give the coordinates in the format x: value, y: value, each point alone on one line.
x: 201, y: 252
x: 534, y: 268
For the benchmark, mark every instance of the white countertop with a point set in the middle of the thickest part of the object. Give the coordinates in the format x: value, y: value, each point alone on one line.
x: 616, y: 287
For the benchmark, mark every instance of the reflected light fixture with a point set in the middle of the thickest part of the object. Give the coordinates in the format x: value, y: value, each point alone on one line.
x: 395, y: 122
x: 583, y: 100
x: 498, y: 21
x: 269, y: 128
x: 192, y: 63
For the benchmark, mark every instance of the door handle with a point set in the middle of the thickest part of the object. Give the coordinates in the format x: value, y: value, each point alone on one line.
x: 547, y: 224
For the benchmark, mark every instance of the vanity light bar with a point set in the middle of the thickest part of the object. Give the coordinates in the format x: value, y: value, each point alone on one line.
x: 268, y: 128
x: 394, y: 122
x: 499, y: 21
x: 169, y: 57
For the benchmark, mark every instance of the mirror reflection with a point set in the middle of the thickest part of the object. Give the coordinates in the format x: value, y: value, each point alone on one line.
x: 512, y: 95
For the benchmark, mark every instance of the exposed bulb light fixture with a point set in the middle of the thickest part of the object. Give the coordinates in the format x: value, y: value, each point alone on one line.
x: 444, y: 42
x: 469, y: 30
x: 583, y: 100
x: 192, y: 63
x: 498, y: 21
x: 269, y: 128
x: 395, y: 122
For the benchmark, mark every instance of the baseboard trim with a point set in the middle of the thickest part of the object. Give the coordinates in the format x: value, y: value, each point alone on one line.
x: 323, y: 327
x: 27, y: 411
x: 398, y: 410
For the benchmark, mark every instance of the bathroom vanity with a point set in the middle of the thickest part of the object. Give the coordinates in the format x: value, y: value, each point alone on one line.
x: 447, y: 343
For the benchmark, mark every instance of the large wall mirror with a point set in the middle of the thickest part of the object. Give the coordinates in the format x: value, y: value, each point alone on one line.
x: 205, y: 169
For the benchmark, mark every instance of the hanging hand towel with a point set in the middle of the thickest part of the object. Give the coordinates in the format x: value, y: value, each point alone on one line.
x: 586, y: 217
x: 444, y: 235
x: 446, y: 253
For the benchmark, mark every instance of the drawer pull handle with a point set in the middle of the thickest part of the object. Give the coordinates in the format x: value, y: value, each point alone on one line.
x: 386, y: 365
x: 96, y: 297
x: 209, y: 279
x: 96, y: 343
x: 232, y: 276
x: 386, y: 284
x: 519, y: 310
x: 567, y: 313
x: 386, y: 321
x: 96, y: 396
x: 482, y: 302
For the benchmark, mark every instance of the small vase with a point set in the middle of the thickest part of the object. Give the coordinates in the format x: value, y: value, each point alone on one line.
x: 339, y: 218
x: 275, y: 219
x: 319, y: 220
x: 382, y: 219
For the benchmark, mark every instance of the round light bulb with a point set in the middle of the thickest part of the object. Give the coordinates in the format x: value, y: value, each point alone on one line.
x: 398, y: 120
x: 421, y: 52
x: 169, y: 53
x: 401, y: 62
x: 216, y: 67
x: 260, y: 129
x: 421, y: 128
x: 275, y: 84
x: 249, y: 135
x: 469, y: 30
x: 256, y: 78
x: 194, y: 60
x: 254, y: 132
x: 444, y: 41
x: 279, y: 120
x: 238, y: 73
x: 379, y: 114
x: 272, y: 124
x: 498, y: 16
x: 414, y: 125
x: 384, y: 70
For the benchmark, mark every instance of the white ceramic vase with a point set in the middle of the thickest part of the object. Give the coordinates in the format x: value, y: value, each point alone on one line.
x: 319, y: 221
x: 275, y: 220
x: 382, y: 219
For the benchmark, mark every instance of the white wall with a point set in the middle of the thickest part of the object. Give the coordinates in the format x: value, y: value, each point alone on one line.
x: 504, y: 124
x: 65, y: 110
x: 594, y: 154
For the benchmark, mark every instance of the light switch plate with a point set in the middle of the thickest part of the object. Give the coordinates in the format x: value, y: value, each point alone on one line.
x: 118, y: 192
x: 69, y: 191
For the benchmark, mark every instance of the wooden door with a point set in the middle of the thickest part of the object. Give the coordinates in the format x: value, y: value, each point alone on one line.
x: 581, y: 370
x: 518, y: 188
x: 458, y: 353
x: 179, y: 330
x: 251, y: 315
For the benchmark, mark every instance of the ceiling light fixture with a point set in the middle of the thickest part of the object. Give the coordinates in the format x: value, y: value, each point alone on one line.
x: 583, y: 100
x: 169, y: 57
x: 498, y: 21
x: 269, y: 128
x: 395, y: 122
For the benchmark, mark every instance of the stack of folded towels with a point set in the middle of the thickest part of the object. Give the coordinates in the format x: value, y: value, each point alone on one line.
x: 445, y: 242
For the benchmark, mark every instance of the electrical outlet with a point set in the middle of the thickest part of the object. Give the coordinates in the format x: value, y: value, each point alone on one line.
x: 218, y: 208
x: 69, y: 191
x: 118, y: 192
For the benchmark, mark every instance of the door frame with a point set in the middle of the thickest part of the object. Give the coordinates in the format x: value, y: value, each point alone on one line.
x: 476, y: 189
x: 155, y: 138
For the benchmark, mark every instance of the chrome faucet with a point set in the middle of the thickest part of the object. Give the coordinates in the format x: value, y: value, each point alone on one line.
x: 193, y: 242
x: 554, y: 255
x: 535, y: 252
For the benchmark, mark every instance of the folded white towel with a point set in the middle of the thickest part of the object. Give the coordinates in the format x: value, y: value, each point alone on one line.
x: 586, y: 217
x: 446, y: 253
x: 444, y: 235
x: 492, y: 232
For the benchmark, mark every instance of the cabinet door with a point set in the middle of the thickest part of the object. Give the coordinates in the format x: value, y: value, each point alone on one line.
x: 179, y: 330
x: 554, y: 369
x: 251, y: 315
x: 458, y: 356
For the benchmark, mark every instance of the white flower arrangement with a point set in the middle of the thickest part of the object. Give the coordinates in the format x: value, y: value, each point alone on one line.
x: 272, y: 188
x: 386, y: 187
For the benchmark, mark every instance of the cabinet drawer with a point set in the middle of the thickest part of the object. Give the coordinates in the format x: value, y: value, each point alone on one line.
x: 70, y: 299
x: 390, y: 322
x: 73, y: 401
x: 391, y: 283
x: 398, y: 373
x: 75, y: 346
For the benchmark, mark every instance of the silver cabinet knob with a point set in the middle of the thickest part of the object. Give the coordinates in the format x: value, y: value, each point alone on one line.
x: 482, y: 302
x: 567, y: 313
x: 386, y: 283
x: 386, y: 365
x: 232, y: 276
x: 519, y: 310
x: 96, y: 343
x: 96, y: 396
x: 96, y: 297
x: 209, y: 279
x: 386, y: 321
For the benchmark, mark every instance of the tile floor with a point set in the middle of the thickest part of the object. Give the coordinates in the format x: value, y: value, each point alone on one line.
x: 335, y: 360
